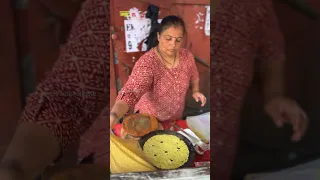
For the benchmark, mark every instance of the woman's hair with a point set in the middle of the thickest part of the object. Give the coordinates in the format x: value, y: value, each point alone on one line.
x: 167, y: 22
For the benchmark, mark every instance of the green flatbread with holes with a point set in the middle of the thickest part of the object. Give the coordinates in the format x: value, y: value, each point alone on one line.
x: 166, y: 151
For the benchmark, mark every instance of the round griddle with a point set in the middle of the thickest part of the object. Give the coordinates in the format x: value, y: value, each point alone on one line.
x: 192, y: 151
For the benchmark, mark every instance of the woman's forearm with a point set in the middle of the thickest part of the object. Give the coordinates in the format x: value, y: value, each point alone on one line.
x: 32, y: 149
x: 273, y: 78
x: 119, y: 109
x: 195, y: 86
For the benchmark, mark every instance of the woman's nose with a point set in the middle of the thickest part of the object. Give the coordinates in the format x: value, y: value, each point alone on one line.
x: 173, y: 43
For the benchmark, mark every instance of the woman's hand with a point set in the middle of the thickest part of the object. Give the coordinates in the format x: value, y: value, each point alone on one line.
x: 113, y: 121
x: 283, y: 110
x: 199, y: 97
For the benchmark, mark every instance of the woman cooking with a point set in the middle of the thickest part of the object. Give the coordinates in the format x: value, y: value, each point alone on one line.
x: 161, y: 77
x: 157, y: 86
x: 51, y: 122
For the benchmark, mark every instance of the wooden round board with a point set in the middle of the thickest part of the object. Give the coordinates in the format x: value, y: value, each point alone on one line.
x: 138, y: 125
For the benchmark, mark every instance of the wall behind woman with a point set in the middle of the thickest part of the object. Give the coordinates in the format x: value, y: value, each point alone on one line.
x: 193, y: 12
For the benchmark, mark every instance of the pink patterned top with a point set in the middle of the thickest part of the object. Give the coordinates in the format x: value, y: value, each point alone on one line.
x: 70, y: 100
x: 154, y: 89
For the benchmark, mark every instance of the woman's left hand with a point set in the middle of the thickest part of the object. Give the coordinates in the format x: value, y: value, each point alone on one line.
x: 199, y: 97
x: 283, y: 110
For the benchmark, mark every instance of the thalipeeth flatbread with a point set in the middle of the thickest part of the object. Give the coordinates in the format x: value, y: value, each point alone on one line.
x: 166, y: 151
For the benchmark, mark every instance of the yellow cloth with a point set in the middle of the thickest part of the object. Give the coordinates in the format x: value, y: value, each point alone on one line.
x: 126, y: 156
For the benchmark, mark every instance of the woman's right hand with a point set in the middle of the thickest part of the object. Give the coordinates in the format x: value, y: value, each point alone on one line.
x: 112, y: 121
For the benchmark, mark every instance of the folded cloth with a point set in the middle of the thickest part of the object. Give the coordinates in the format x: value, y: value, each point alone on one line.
x: 127, y: 156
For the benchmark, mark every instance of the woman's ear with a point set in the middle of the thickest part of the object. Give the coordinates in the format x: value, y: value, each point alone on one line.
x: 158, y: 35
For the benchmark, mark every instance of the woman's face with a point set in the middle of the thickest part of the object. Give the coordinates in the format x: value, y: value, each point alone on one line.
x: 170, y: 40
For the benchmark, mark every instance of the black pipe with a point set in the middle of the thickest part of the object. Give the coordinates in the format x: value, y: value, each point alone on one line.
x: 201, y: 62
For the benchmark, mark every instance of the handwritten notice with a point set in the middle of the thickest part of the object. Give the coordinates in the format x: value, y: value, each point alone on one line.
x: 136, y: 31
